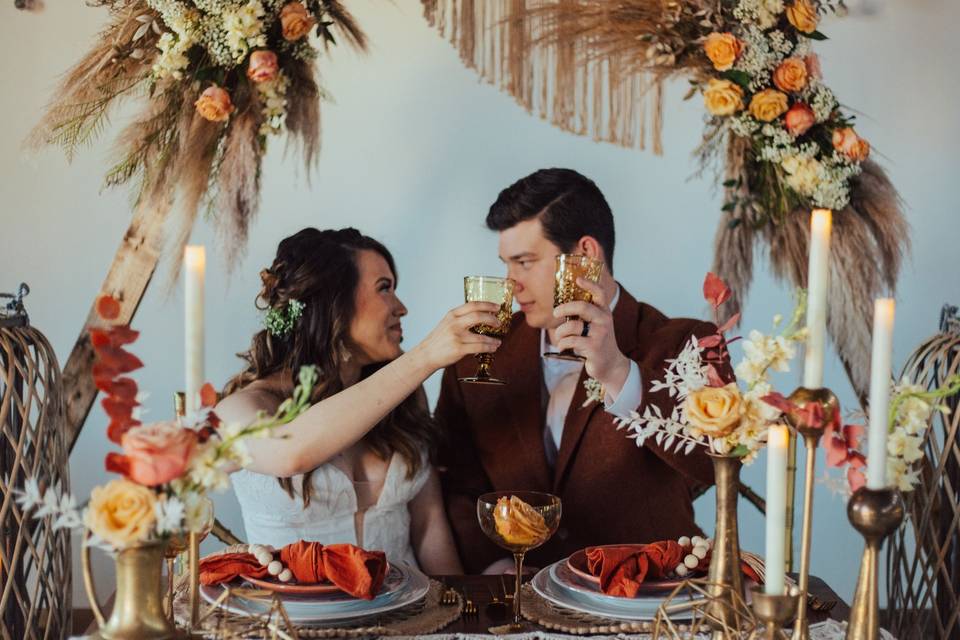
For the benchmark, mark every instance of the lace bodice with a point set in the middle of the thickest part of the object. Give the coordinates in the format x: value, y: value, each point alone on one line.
x: 271, y: 517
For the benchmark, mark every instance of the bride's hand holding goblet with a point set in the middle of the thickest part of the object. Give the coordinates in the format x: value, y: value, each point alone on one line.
x: 452, y: 338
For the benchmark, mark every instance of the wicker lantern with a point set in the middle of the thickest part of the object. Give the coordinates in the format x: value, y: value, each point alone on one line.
x: 35, y: 562
x: 923, y: 556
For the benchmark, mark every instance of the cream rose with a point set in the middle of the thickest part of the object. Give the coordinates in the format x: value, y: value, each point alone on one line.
x: 802, y: 14
x: 122, y: 513
x: 723, y: 49
x: 799, y: 119
x: 791, y: 75
x: 263, y: 66
x: 722, y: 97
x: 214, y: 104
x: 716, y: 411
x: 768, y: 105
x: 295, y: 21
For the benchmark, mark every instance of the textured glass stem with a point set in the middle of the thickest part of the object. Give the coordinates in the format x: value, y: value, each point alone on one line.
x: 518, y: 559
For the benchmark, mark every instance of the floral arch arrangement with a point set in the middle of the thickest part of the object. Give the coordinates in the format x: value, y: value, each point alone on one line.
x: 776, y: 132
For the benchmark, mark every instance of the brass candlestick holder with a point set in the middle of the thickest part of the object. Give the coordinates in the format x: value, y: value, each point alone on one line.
x: 875, y: 513
x: 802, y: 398
x: 775, y: 612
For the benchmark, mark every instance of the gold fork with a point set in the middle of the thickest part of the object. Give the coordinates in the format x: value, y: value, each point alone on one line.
x: 469, y: 609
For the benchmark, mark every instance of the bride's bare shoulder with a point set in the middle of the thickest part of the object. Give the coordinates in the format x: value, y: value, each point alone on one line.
x: 245, y: 404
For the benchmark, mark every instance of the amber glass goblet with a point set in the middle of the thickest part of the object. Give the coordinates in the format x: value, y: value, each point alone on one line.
x: 565, y: 289
x: 498, y: 291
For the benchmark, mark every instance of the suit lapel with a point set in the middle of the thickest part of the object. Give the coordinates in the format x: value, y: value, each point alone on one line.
x: 625, y: 316
x: 516, y: 419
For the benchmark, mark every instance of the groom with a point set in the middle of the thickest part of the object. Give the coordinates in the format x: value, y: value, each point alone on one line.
x: 534, y: 433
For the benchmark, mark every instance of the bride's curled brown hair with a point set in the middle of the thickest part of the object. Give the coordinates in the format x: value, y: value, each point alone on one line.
x: 318, y: 270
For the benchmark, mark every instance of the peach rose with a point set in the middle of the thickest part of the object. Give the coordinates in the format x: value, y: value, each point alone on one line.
x: 214, y: 104
x: 723, y: 49
x: 158, y: 453
x: 847, y: 142
x: 715, y: 411
x: 799, y: 119
x: 812, y: 62
x: 296, y: 21
x: 722, y: 97
x: 802, y: 14
x: 791, y: 75
x: 122, y: 512
x: 263, y: 66
x: 768, y: 105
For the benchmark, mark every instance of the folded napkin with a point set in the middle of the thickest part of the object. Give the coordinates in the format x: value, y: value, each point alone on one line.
x: 355, y: 571
x: 622, y: 569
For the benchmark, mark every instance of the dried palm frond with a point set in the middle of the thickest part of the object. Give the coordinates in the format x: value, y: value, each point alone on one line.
x: 870, y: 237
x: 175, y: 152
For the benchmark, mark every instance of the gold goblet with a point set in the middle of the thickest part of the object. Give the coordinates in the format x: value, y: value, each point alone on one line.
x: 499, y: 291
x: 569, y: 268
x: 518, y: 521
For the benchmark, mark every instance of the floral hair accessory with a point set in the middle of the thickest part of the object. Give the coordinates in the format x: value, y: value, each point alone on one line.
x: 280, y: 320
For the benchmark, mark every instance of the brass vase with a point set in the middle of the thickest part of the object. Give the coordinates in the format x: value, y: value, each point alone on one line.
x: 138, y: 605
x: 725, y: 578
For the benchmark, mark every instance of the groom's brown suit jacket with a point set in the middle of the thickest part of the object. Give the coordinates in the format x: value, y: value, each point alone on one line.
x: 611, y: 490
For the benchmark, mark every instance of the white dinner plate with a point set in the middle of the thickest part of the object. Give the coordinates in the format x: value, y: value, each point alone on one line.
x: 549, y: 587
x: 324, y: 609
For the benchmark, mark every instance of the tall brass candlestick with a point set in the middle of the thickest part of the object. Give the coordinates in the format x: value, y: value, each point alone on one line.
x: 875, y: 513
x: 194, y: 552
x: 811, y: 431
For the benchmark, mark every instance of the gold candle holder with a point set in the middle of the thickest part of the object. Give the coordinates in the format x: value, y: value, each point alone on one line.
x: 725, y: 577
x: 194, y: 551
x: 875, y: 513
x: 811, y: 433
x: 774, y: 611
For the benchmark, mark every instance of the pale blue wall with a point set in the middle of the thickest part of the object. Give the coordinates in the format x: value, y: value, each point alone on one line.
x: 415, y: 149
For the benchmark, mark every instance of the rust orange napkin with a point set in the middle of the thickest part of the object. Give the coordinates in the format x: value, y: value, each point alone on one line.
x: 355, y: 571
x: 622, y: 569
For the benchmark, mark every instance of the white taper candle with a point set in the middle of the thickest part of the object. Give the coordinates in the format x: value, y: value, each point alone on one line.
x: 883, y: 312
x: 194, y: 262
x: 776, y: 518
x: 818, y: 281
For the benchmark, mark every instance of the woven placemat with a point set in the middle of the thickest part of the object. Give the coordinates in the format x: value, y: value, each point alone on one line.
x: 423, y: 617
x: 537, y: 609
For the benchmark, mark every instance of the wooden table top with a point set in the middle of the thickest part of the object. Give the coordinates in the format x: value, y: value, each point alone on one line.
x: 482, y: 589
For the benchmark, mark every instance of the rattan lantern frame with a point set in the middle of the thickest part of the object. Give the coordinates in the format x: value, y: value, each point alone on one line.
x: 35, y: 559
x: 923, y: 555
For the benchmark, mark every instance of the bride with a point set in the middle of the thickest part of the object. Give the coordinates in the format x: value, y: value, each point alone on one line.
x: 355, y: 467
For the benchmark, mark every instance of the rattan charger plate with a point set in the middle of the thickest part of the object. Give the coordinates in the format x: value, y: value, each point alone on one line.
x: 424, y: 617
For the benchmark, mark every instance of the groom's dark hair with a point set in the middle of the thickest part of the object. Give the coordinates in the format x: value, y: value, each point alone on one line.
x: 568, y: 204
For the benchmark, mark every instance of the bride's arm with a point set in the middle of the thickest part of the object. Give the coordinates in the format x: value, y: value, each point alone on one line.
x: 337, y: 422
x: 430, y: 532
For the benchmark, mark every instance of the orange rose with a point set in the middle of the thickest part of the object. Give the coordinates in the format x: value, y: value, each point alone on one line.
x: 722, y: 97
x: 768, y: 105
x: 263, y: 66
x: 847, y: 142
x: 802, y: 14
x: 214, y: 104
x: 791, y: 75
x: 799, y: 119
x: 296, y: 21
x: 723, y: 49
x: 715, y: 411
x: 812, y: 62
x: 157, y: 453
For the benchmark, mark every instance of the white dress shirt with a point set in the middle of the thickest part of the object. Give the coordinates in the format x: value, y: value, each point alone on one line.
x: 560, y: 378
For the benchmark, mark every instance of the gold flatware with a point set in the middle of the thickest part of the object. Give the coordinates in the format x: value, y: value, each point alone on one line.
x: 449, y: 597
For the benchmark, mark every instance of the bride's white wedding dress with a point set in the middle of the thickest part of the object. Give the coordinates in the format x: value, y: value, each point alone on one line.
x: 370, y: 515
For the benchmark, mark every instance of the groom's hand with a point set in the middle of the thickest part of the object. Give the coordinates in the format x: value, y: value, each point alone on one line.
x: 604, y: 361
